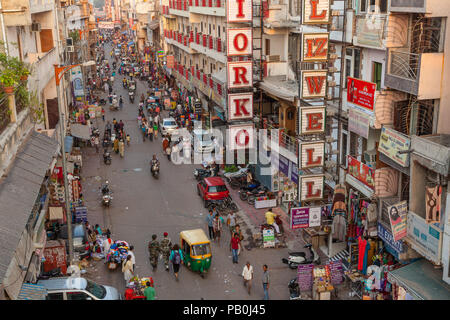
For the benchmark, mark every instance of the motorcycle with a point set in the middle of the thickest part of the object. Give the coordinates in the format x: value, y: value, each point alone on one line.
x: 294, y: 290
x: 297, y: 258
x: 131, y: 96
x: 155, y: 170
x: 50, y: 274
x: 107, y: 157
x: 106, y: 199
x: 204, y: 173
x: 245, y: 191
x: 260, y: 191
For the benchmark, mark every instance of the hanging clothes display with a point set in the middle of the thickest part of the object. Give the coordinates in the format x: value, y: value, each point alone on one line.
x: 339, y: 227
x: 363, y: 248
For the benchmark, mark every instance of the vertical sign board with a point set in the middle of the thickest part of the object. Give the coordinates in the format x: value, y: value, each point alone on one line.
x: 312, y: 120
x: 315, y: 47
x: 240, y: 106
x: 268, y: 238
x: 240, y: 42
x: 311, y: 187
x: 239, y: 11
x: 314, y: 84
x: 316, y: 12
x: 305, y: 276
x: 397, y: 217
x: 240, y: 74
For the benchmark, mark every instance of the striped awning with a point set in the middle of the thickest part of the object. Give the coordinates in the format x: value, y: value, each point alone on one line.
x: 31, y: 291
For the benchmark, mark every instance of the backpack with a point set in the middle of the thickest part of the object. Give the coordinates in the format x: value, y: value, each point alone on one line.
x: 176, y: 257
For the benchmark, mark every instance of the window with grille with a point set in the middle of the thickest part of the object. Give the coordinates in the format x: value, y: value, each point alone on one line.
x: 414, y: 117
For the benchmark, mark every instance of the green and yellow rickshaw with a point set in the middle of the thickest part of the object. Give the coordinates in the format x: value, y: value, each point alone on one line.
x: 196, y: 249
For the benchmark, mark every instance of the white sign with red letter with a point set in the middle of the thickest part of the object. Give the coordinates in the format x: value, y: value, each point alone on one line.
x: 312, y: 120
x: 239, y: 10
x: 240, y: 106
x: 312, y: 154
x: 241, y: 136
x: 311, y: 187
x: 240, y: 74
x: 315, y: 46
x: 240, y: 41
x: 314, y: 84
x: 316, y: 12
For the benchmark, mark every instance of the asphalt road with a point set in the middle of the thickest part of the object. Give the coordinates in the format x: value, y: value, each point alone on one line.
x: 142, y: 206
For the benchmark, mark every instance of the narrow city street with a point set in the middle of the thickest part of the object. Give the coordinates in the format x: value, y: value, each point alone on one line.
x: 143, y: 206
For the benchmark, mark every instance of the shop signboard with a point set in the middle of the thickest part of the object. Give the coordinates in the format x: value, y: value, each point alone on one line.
x: 239, y: 11
x: 336, y: 271
x: 305, y: 276
x: 316, y: 12
x: 305, y: 217
x: 170, y: 62
x: 312, y: 154
x: 240, y: 41
x: 397, y: 217
x: 268, y: 238
x: 241, y: 136
x: 283, y: 165
x: 391, y: 142
x: 315, y: 47
x: 424, y: 238
x: 314, y: 84
x: 106, y: 25
x: 358, y: 122
x: 311, y: 187
x: 393, y: 247
x: 77, y: 80
x: 240, y: 74
x: 361, y: 93
x: 293, y: 172
x: 361, y: 172
x: 240, y: 106
x: 312, y: 120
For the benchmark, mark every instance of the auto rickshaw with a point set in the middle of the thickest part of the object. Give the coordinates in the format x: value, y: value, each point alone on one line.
x: 196, y: 249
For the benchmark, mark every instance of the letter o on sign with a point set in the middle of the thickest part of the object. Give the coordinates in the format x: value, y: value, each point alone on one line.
x: 244, y: 42
x: 239, y: 137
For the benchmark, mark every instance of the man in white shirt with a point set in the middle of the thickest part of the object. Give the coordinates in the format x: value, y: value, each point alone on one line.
x: 247, y: 273
x: 133, y: 258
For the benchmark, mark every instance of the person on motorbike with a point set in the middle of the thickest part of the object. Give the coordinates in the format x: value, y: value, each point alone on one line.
x: 270, y: 220
x: 153, y: 162
x: 105, y: 187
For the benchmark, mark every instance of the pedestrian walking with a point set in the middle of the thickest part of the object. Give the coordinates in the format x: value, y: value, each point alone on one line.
x: 120, y: 102
x: 107, y: 87
x: 116, y: 145
x: 235, y: 244
x: 106, y: 245
x: 210, y: 221
x: 154, y: 249
x: 176, y: 257
x: 247, y: 274
x: 128, y: 140
x: 103, y: 114
x: 96, y: 143
x: 144, y: 130
x: 149, y: 292
x: 231, y: 222
x: 265, y: 281
x: 155, y: 129
x: 121, y: 148
x: 166, y: 245
x: 150, y: 133
x: 217, y: 225
x: 133, y: 257
x: 127, y: 269
x: 237, y: 229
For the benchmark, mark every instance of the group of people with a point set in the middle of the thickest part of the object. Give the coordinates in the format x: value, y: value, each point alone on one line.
x: 170, y: 253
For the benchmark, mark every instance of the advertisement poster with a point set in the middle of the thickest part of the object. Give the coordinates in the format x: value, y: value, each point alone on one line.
x: 433, y: 204
x: 268, y: 238
x: 391, y: 142
x: 358, y: 122
x: 397, y: 217
x: 305, y: 217
x: 77, y: 81
x: 305, y: 276
x: 361, y: 93
x: 361, y: 172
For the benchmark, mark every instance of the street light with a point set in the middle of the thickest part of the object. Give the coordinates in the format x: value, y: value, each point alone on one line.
x: 59, y: 72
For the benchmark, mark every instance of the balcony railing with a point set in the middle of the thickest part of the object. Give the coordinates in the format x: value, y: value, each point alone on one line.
x: 284, y: 140
x: 403, y: 64
x: 5, y: 118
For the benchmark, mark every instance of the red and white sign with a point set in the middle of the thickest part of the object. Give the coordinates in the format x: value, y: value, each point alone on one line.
x: 240, y: 41
x: 315, y: 46
x: 240, y: 74
x: 311, y: 187
x: 312, y: 154
x: 314, y: 84
x: 240, y: 106
x: 316, y: 12
x: 241, y: 136
x: 361, y: 93
x: 106, y: 25
x: 312, y: 120
x: 239, y: 10
x: 170, y: 62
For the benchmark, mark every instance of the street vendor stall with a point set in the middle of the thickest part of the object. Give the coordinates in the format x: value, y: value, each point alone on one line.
x: 322, y: 286
x: 117, y: 253
x: 135, y: 288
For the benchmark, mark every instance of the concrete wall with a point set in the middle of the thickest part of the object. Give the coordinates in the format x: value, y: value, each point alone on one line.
x: 417, y: 188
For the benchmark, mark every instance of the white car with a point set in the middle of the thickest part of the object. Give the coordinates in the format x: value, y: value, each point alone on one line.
x: 169, y: 126
x: 76, y: 288
x: 202, y: 141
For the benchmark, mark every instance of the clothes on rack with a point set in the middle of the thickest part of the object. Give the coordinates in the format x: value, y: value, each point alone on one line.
x: 339, y: 227
x: 363, y: 249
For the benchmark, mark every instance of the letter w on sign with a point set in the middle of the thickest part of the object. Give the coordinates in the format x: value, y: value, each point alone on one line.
x: 314, y: 84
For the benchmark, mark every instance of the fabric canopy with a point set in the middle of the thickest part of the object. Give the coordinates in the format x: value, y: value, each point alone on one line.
x: 80, y: 131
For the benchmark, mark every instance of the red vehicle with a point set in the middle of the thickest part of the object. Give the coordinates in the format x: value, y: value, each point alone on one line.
x: 212, y: 188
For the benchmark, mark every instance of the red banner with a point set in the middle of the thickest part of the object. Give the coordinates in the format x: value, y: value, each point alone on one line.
x: 362, y: 172
x: 361, y: 93
x: 170, y: 62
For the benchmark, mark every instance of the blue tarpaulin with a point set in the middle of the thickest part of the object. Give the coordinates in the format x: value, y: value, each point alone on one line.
x: 31, y: 291
x: 68, y: 143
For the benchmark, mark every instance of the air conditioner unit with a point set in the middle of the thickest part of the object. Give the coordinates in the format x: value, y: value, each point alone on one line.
x: 36, y: 26
x: 70, y: 49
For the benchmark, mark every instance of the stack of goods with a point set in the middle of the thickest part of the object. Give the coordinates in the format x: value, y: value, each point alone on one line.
x: 322, y: 283
x: 136, y: 287
x: 118, y: 252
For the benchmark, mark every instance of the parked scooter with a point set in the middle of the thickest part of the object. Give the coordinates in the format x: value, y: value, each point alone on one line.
x: 246, y: 190
x: 297, y: 258
x: 294, y: 290
x: 200, y: 173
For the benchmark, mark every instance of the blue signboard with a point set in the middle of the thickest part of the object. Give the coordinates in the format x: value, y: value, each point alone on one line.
x: 393, y: 247
x: 283, y: 165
